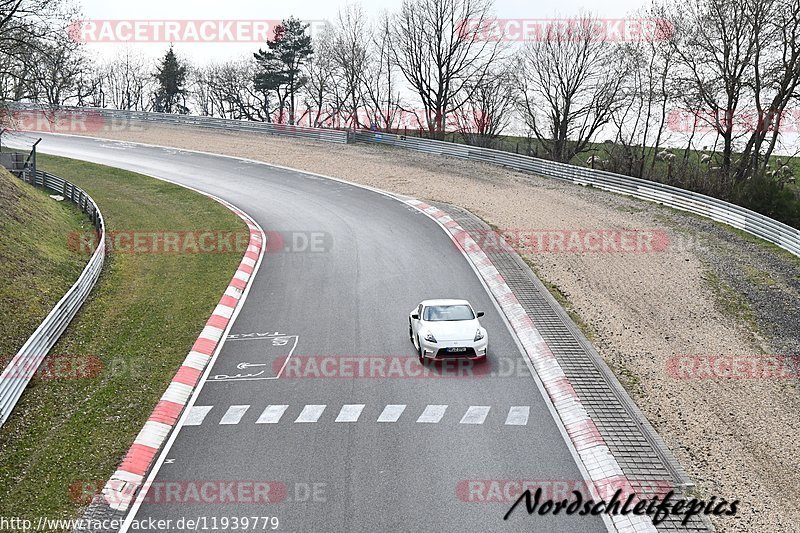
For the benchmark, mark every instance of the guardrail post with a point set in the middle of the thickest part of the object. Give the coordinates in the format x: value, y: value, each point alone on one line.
x: 33, y: 153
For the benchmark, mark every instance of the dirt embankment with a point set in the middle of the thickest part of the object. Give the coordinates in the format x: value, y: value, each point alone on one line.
x: 710, y: 292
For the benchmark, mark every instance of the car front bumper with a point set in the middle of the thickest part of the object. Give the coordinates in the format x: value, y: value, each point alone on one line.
x: 464, y: 349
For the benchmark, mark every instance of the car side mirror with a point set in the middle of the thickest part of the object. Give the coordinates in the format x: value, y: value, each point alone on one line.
x: 415, y: 316
x: 480, y: 314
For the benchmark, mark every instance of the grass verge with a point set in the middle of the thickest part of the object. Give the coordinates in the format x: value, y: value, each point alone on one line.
x: 730, y: 302
x: 70, y: 432
x: 37, y: 269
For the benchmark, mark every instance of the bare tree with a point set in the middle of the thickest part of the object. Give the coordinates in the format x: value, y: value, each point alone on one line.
x: 60, y: 73
x: 777, y: 86
x: 227, y: 90
x: 570, y: 86
x: 319, y: 91
x: 28, y: 29
x: 738, y: 66
x: 349, y: 53
x: 127, y: 82
x: 379, y: 79
x: 441, y: 49
x: 641, y: 120
x: 199, y: 90
x: 487, y: 109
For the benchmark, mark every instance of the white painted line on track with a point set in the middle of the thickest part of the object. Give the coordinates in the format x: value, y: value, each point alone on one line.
x: 350, y: 413
x: 197, y: 414
x: 476, y: 414
x: 310, y: 413
x: 391, y: 413
x: 272, y: 414
x: 234, y: 414
x: 432, y: 414
x: 518, y: 415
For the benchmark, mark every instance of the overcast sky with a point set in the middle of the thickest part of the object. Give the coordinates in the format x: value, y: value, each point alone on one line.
x: 303, y: 9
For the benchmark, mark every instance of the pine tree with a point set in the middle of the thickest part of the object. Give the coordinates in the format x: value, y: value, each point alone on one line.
x: 171, y: 78
x: 279, y: 67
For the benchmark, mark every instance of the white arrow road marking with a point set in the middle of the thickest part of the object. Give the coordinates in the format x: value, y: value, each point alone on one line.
x: 518, y: 415
x: 432, y: 414
x: 350, y: 413
x: 243, y: 366
x: 197, y: 414
x: 272, y: 414
x: 310, y: 413
x: 476, y: 414
x: 234, y: 414
x: 391, y: 413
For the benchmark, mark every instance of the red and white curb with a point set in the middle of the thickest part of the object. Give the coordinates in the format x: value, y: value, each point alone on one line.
x: 603, y: 469
x: 121, y: 490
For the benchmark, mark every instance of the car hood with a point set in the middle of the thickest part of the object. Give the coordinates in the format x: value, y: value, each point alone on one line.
x: 455, y: 330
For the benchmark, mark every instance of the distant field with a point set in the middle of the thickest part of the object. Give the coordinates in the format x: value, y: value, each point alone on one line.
x: 69, y: 432
x: 778, y: 199
x: 520, y: 145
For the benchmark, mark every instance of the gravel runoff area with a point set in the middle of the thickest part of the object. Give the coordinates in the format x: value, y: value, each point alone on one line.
x: 711, y: 292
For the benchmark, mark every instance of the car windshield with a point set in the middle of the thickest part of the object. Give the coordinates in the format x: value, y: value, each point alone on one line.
x: 436, y: 313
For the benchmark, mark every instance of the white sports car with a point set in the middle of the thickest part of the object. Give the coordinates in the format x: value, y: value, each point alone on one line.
x: 447, y: 329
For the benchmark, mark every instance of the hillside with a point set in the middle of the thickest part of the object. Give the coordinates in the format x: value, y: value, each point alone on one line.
x: 37, y: 265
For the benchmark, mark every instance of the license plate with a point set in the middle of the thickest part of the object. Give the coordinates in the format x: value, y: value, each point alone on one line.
x: 457, y: 349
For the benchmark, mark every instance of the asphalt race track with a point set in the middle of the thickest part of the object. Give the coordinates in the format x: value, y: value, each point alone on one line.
x: 356, y: 451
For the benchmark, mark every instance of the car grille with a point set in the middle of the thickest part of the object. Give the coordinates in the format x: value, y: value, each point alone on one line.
x: 444, y: 354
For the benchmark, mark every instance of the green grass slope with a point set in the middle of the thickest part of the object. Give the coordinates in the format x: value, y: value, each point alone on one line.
x: 69, y: 433
x: 36, y: 265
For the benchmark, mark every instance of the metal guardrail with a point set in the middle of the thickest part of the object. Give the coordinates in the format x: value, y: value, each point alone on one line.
x: 754, y: 223
x: 744, y: 219
x: 87, y: 119
x: 23, y: 366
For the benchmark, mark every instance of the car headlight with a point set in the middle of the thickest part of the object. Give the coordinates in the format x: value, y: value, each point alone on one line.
x: 430, y: 338
x: 478, y: 335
